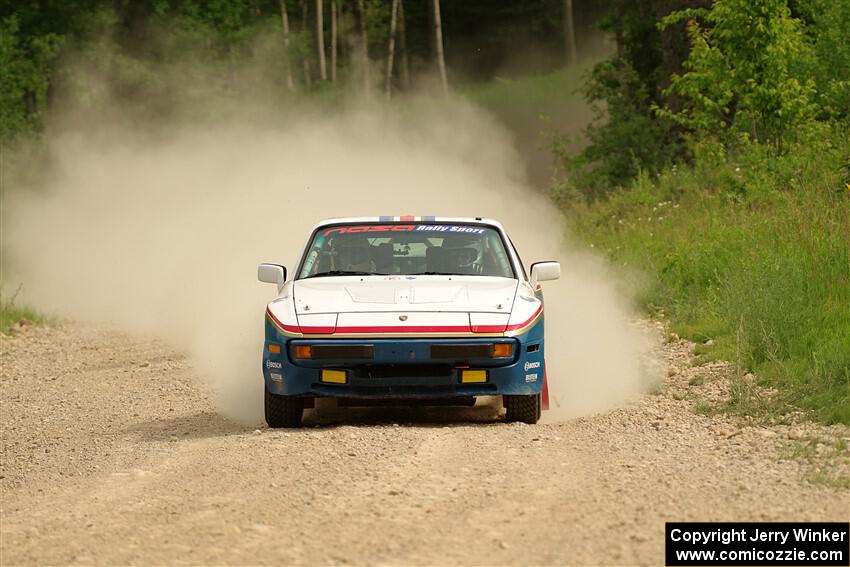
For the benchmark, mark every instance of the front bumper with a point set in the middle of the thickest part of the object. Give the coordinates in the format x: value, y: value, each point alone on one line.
x: 405, y: 368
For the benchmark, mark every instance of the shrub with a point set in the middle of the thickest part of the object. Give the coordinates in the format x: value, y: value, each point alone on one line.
x: 742, y: 72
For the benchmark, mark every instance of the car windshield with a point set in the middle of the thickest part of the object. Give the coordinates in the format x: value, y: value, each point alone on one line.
x: 406, y: 249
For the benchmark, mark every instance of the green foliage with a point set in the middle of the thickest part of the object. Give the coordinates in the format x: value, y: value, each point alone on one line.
x: 11, y: 313
x: 377, y: 24
x: 685, y: 71
x: 830, y: 21
x: 536, y: 109
x: 136, y: 52
x: 534, y: 105
x: 623, y: 136
x: 26, y: 64
x: 744, y: 71
x: 751, y: 249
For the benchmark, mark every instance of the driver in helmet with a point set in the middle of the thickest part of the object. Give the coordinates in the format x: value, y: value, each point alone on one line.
x: 353, y: 255
x: 463, y: 259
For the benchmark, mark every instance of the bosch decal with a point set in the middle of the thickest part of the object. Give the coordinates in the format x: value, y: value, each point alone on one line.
x: 273, y: 364
x: 530, y: 365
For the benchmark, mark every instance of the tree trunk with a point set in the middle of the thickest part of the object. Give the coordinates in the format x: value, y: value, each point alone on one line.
x: 320, y: 39
x: 391, y: 49
x: 620, y: 40
x: 402, y: 44
x: 305, y: 28
x: 570, y: 33
x: 30, y: 100
x: 364, y: 46
x: 438, y: 38
x: 333, y: 40
x: 290, y: 84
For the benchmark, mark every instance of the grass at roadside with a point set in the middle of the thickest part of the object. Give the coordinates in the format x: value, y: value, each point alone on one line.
x: 11, y: 313
x: 529, y: 94
x: 536, y: 109
x: 536, y: 105
x: 748, y: 254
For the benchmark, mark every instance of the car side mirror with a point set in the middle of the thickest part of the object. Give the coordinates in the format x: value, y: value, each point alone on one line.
x: 272, y: 273
x: 544, y: 271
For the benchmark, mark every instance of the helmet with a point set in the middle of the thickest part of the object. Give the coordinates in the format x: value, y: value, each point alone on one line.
x: 354, y: 255
x: 461, y: 259
x: 466, y: 257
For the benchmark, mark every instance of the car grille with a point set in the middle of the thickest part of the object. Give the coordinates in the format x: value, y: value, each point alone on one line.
x: 461, y: 352
x: 389, y: 371
x: 343, y: 352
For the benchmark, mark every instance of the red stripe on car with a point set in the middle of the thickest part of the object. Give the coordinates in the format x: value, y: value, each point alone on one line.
x: 526, y: 322
x: 404, y: 329
x: 287, y: 328
x: 317, y: 330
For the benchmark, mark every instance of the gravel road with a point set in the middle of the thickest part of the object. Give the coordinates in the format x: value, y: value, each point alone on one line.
x: 113, y: 454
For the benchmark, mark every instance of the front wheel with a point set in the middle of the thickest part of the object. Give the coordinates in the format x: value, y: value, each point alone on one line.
x: 522, y: 408
x: 283, y: 411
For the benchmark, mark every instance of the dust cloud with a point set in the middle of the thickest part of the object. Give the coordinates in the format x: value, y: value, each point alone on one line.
x: 160, y: 232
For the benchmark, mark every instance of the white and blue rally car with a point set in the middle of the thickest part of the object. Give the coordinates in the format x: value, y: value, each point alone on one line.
x: 419, y: 310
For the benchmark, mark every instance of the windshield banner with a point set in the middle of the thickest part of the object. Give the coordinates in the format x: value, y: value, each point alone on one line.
x: 404, y: 228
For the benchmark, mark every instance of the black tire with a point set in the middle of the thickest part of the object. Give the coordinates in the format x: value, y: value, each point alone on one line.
x: 522, y: 408
x: 283, y: 411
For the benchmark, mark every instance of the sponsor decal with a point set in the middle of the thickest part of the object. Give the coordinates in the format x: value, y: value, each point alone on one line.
x: 275, y: 377
x: 530, y: 365
x: 403, y: 228
x: 370, y: 228
x: 530, y: 378
x: 449, y: 228
x: 273, y: 364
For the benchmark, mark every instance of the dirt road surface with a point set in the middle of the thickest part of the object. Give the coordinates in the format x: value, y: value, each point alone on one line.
x: 112, y: 453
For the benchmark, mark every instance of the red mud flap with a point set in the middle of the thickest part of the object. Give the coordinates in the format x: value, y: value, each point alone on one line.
x: 545, y: 394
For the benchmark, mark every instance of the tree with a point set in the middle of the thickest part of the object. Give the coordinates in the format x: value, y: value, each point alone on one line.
x: 333, y: 40
x: 320, y: 39
x: 364, y: 46
x: 402, y: 44
x: 285, y: 20
x: 306, y: 31
x: 742, y: 71
x: 391, y: 48
x: 570, y: 33
x: 438, y: 38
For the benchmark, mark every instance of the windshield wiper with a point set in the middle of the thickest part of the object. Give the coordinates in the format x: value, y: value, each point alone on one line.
x: 344, y: 273
x: 439, y: 274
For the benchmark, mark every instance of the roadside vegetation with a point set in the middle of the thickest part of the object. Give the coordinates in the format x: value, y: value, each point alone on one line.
x: 726, y: 184
x: 747, y: 256
x: 13, y: 315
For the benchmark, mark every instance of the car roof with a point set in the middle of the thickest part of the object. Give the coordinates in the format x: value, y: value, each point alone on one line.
x: 404, y: 218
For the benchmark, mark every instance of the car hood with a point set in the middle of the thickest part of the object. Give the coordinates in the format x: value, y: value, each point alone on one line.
x: 385, y: 294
